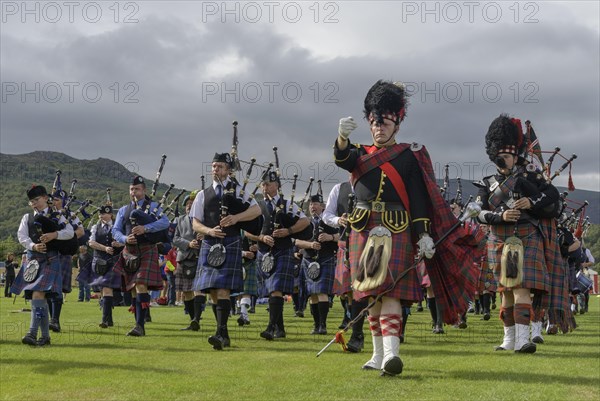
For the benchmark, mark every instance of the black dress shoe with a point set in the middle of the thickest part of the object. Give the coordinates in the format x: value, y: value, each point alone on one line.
x: 43, y: 341
x: 217, y: 342
x: 355, y: 344
x: 486, y: 316
x: 137, y: 331
x: 268, y: 334
x: 29, y: 339
x: 226, y: 342
x: 242, y: 321
x: 278, y: 333
x: 194, y: 326
x: 54, y: 326
x: 103, y: 325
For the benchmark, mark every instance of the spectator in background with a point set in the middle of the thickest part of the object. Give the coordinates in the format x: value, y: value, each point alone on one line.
x: 9, y: 266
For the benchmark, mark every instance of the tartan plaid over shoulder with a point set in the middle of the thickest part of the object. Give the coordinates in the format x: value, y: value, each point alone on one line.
x: 453, y: 270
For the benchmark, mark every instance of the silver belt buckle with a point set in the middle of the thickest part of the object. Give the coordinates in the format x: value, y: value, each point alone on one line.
x: 378, y: 206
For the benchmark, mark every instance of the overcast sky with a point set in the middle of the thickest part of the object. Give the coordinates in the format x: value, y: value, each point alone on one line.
x: 133, y: 81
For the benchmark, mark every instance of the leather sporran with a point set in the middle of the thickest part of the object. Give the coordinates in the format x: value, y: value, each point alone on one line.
x: 132, y: 262
x: 31, y: 271
x: 374, y: 260
x: 101, y: 267
x: 313, y: 271
x: 216, y: 255
x: 188, y: 268
x: 511, y: 263
x: 268, y: 262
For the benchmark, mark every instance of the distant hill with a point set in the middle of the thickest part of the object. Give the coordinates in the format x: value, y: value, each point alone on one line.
x: 18, y: 172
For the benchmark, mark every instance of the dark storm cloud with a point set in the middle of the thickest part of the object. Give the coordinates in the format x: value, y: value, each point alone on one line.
x: 546, y: 73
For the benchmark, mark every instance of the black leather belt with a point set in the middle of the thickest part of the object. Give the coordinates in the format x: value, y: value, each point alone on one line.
x: 380, y: 207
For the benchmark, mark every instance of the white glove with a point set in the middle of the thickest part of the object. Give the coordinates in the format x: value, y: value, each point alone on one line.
x: 347, y: 125
x: 425, y: 245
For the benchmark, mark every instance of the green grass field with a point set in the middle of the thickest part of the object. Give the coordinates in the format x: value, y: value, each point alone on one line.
x: 85, y: 362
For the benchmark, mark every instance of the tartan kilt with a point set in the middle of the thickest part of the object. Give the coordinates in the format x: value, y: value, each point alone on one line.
x: 281, y: 277
x: 182, y: 283
x: 535, y: 272
x: 342, y: 283
x: 559, y: 274
x: 49, y: 277
x: 324, y: 285
x: 487, y: 280
x: 229, y: 275
x: 66, y: 270
x: 149, y: 272
x: 111, y: 279
x: 250, y: 285
x: 403, y: 257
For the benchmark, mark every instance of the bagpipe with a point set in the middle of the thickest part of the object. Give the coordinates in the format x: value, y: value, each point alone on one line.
x: 51, y: 221
x: 146, y: 214
x: 283, y: 214
x: 534, y: 154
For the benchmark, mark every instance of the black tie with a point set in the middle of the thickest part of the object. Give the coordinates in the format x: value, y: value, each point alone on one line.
x: 219, y: 191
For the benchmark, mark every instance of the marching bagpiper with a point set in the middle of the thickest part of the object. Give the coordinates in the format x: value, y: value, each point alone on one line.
x: 41, y: 235
x: 220, y: 265
x: 518, y: 204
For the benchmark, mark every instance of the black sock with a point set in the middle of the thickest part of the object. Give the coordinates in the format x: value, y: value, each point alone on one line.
x: 57, y: 304
x: 199, y: 301
x: 142, y: 305
x: 190, y: 308
x: 107, y: 305
x: 405, y: 313
x: 314, y: 311
x: 222, y: 309
x: 295, y: 301
x: 323, y: 311
x: 278, y: 304
x: 432, y: 309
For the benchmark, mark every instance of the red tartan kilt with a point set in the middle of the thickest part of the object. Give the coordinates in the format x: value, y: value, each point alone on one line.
x: 535, y: 273
x: 403, y: 256
x: 149, y: 272
x: 342, y: 282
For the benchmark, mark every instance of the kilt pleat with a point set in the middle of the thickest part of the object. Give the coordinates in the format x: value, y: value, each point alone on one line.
x: 281, y: 278
x: 149, y: 272
x: 49, y: 278
x: 535, y: 272
x: 229, y: 275
x: 409, y: 287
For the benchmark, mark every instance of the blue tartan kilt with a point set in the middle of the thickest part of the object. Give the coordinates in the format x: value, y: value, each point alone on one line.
x: 535, y: 272
x: 227, y: 276
x: 250, y: 285
x: 111, y: 279
x: 49, y: 278
x: 324, y: 284
x: 66, y: 269
x: 281, y: 278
